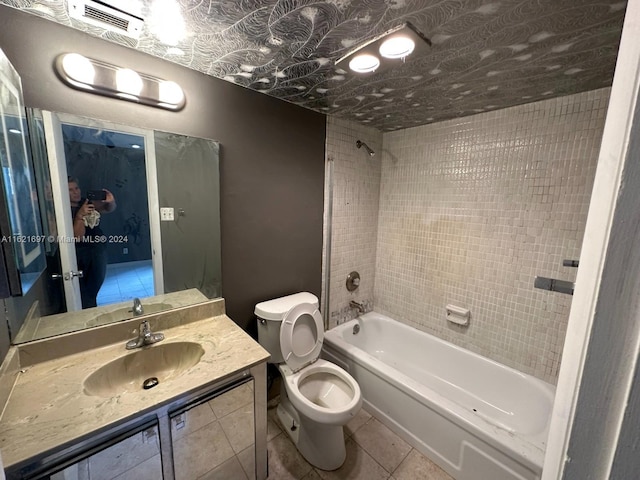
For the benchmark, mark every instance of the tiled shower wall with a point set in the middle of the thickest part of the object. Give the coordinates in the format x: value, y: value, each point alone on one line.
x: 356, y: 192
x: 467, y: 212
x: 471, y: 210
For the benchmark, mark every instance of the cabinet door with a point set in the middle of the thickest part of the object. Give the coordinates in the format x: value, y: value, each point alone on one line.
x: 215, y: 439
x: 137, y: 457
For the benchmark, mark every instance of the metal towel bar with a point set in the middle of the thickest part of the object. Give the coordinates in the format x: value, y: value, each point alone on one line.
x: 554, y: 285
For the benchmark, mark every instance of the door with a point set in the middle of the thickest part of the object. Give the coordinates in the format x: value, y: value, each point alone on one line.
x: 121, y: 159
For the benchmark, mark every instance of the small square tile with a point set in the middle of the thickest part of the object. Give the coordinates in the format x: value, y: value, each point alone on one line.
x: 455, y: 211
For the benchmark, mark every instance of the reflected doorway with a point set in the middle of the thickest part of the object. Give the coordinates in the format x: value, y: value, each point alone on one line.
x: 114, y: 161
x: 118, y: 162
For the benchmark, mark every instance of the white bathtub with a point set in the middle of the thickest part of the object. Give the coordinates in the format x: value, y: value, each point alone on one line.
x: 476, y: 418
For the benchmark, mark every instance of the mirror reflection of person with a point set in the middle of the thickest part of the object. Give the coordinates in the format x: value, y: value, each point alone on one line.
x: 91, y: 246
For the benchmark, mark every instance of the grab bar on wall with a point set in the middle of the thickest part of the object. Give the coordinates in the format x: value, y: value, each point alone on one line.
x: 554, y: 285
x: 570, y: 263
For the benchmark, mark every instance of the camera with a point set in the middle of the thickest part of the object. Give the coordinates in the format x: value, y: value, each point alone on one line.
x: 96, y: 195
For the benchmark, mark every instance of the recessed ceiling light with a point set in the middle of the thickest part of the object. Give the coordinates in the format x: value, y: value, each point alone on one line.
x: 393, y: 44
x: 364, y: 63
x: 397, y: 47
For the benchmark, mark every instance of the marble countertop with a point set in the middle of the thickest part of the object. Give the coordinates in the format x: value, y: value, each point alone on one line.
x: 48, y: 406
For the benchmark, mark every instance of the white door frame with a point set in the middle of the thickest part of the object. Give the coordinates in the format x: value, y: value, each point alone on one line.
x: 607, y: 405
x: 58, y: 167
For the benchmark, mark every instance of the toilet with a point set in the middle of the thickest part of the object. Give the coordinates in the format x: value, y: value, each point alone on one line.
x: 317, y: 397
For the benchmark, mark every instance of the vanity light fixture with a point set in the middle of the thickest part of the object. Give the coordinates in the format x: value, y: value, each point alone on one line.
x: 102, y: 78
x: 394, y: 44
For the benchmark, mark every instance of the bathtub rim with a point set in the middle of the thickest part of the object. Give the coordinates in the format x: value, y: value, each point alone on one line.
x: 529, y: 453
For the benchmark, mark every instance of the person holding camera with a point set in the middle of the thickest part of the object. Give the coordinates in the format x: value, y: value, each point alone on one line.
x: 91, y: 249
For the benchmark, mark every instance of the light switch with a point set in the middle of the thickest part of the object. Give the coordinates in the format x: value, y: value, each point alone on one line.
x: 166, y: 214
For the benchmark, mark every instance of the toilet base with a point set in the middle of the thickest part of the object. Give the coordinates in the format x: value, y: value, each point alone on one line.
x: 321, y: 445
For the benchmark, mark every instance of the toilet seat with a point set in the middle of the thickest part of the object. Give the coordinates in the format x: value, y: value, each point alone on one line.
x: 301, y: 336
x: 344, y: 405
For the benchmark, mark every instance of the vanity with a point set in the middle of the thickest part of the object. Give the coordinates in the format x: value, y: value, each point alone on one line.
x: 192, y: 403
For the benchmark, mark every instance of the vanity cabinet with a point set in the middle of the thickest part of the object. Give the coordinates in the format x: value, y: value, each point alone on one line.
x: 208, y: 419
x: 212, y: 436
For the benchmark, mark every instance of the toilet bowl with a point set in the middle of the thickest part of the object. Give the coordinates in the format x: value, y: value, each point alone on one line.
x: 317, y: 397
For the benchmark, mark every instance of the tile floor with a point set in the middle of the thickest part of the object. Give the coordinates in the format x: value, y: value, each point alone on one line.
x: 373, y: 453
x: 125, y: 281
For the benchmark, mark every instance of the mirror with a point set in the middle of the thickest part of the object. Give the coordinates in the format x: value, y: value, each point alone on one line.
x: 147, y: 171
x: 22, y: 231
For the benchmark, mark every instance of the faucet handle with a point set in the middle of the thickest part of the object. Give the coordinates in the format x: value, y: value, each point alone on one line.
x: 145, y: 329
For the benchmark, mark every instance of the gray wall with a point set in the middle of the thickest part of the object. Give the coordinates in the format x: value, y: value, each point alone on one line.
x: 271, y: 155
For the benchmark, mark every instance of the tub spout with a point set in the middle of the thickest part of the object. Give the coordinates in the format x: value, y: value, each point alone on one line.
x: 357, y: 305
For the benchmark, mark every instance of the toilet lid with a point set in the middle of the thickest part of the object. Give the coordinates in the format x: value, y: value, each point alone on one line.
x: 301, y: 335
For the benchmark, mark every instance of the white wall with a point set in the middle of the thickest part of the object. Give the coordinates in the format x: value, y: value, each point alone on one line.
x: 594, y: 426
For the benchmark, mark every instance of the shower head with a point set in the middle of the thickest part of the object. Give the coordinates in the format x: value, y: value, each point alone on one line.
x: 366, y: 147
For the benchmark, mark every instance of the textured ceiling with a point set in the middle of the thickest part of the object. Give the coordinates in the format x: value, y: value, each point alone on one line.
x: 485, y: 55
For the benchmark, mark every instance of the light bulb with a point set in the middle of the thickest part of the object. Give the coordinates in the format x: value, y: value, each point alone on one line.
x: 397, y: 47
x: 78, y: 68
x: 128, y: 81
x: 170, y: 92
x: 364, y: 63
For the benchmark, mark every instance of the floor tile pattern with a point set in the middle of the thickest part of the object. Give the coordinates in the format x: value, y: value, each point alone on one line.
x: 125, y: 281
x: 374, y: 452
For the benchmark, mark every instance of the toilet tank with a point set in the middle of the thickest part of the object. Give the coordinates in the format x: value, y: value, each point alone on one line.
x: 270, y: 315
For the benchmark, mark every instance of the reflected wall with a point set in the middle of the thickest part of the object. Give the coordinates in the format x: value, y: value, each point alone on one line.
x: 188, y: 183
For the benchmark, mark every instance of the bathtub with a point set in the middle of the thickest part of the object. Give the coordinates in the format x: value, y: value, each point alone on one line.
x: 476, y: 418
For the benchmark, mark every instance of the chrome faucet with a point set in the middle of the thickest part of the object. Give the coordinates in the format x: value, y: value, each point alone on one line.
x: 137, y: 307
x: 145, y: 337
x: 357, y: 305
